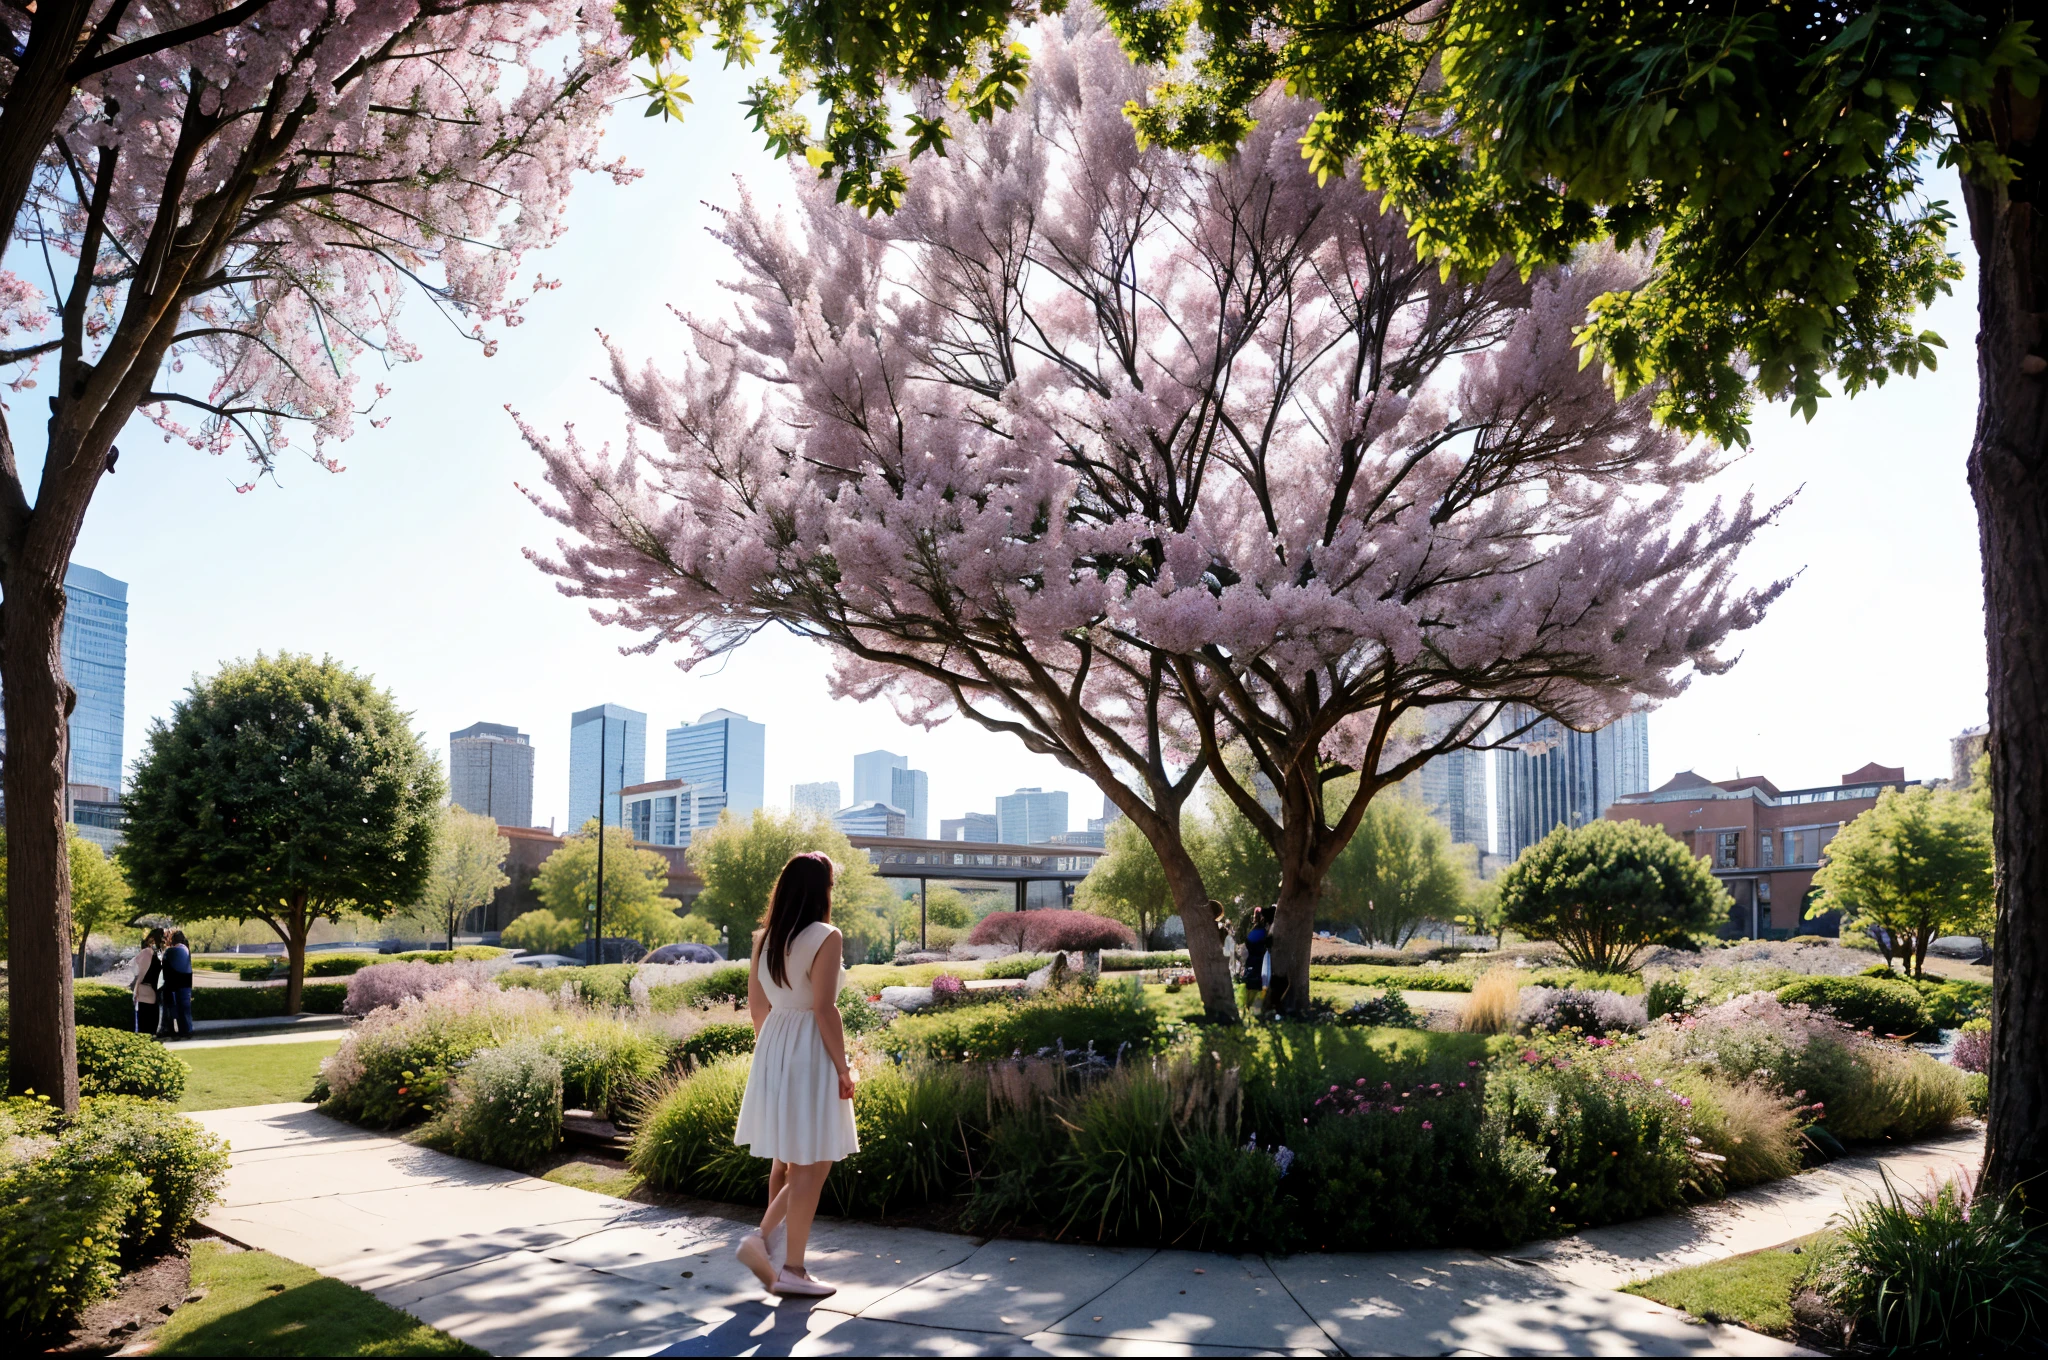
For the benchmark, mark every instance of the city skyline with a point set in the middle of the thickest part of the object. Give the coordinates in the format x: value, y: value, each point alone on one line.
x: 490, y: 771
x: 438, y: 490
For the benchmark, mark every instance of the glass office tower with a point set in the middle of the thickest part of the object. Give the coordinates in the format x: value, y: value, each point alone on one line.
x: 723, y: 755
x: 607, y: 752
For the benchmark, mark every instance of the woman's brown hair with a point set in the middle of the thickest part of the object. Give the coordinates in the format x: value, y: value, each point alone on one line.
x: 803, y: 894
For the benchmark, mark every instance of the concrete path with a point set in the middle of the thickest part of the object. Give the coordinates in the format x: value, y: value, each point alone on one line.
x: 521, y: 1266
x: 284, y: 1022
x: 317, y: 1036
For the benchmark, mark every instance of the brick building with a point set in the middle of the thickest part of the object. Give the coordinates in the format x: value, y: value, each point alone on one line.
x: 1763, y: 843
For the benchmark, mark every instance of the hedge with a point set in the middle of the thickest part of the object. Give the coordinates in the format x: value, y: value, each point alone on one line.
x: 1888, y: 1007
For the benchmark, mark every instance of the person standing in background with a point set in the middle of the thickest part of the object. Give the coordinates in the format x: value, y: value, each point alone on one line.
x: 149, y: 975
x: 1257, y: 941
x: 178, y: 983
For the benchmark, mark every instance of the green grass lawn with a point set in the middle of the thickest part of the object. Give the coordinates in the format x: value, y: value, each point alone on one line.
x: 1753, y: 1290
x: 252, y: 1074
x: 259, y: 1304
x: 597, y: 1177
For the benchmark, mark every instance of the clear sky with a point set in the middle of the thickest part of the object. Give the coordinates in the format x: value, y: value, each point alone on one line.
x: 408, y: 564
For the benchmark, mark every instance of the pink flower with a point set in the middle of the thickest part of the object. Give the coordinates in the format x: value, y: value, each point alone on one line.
x: 1427, y: 1126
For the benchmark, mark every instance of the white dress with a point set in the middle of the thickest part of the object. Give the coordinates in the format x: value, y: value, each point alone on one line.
x: 792, y: 1111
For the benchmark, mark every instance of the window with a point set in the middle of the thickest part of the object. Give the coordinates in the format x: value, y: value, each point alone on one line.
x: 1727, y: 849
x: 1767, y: 850
x: 1763, y: 891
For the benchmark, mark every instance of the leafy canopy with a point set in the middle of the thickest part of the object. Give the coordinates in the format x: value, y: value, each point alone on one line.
x: 739, y: 862
x: 469, y: 868
x: 1129, y: 883
x: 99, y: 894
x: 1399, y: 871
x: 1917, y: 866
x: 1607, y: 890
x: 282, y: 785
x: 634, y: 908
x: 1769, y: 152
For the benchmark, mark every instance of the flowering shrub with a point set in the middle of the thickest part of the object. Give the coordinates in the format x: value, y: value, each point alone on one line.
x: 1549, y: 1010
x: 505, y: 1107
x: 603, y: 1061
x: 395, y: 1066
x: 387, y: 984
x: 1111, y: 1020
x: 116, y: 1062
x: 1972, y: 1051
x: 182, y: 1165
x: 947, y: 989
x: 1052, y: 930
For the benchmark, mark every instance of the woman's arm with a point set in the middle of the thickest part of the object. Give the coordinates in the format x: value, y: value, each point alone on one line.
x: 758, y: 1004
x: 825, y: 1005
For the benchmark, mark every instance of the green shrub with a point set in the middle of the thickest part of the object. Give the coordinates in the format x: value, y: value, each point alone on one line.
x: 1284, y: 1069
x: 603, y: 1062
x: 338, y: 965
x: 716, y: 1042
x: 395, y: 1068
x: 1112, y: 1019
x: 1888, y: 1007
x: 1680, y: 991
x: 181, y: 1165
x: 1977, y: 1091
x: 684, y: 1142
x: 1952, y: 1005
x: 1668, y: 996
x: 1616, y: 1142
x: 1938, y: 1273
x: 1587, y: 980
x: 262, y: 970
x: 604, y: 984
x: 1015, y: 965
x: 263, y: 1003
x: 1418, y: 1169
x: 1128, y: 960
x: 920, y: 1131
x: 505, y: 1107
x: 1388, y: 1010
x: 102, y: 1005
x: 60, y: 1240
x: 857, y: 1013
x: 217, y: 965
x: 119, y: 1062
x: 1415, y: 979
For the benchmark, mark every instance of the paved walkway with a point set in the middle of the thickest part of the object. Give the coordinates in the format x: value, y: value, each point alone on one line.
x: 520, y: 1266
x: 297, y: 1036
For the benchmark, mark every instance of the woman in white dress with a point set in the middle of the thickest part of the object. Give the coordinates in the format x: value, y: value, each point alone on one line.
x: 798, y: 1109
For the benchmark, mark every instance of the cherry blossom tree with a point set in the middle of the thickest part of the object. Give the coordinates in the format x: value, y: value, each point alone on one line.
x: 227, y: 207
x: 1151, y: 460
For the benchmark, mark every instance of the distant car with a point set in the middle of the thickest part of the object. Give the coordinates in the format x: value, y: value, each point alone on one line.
x: 546, y: 961
x: 684, y: 953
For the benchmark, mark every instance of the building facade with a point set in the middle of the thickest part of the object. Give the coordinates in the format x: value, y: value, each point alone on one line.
x: 870, y: 819
x: 1555, y: 776
x: 662, y: 812
x: 975, y: 826
x: 1030, y: 816
x: 1453, y: 788
x: 885, y: 777
x: 607, y: 753
x: 724, y: 756
x: 816, y: 800
x: 1763, y: 843
x: 490, y: 771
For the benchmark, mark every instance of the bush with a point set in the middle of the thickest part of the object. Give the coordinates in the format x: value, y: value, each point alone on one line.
x: 1284, y: 1069
x: 1052, y: 930
x: 1389, y: 1010
x: 60, y: 1238
x: 1683, y: 991
x: 1393, y: 1167
x: 387, y: 984
x: 119, y: 1062
x: 1123, y: 960
x: 1951, y: 1005
x: 542, y: 932
x: 506, y: 1106
x: 1587, y: 980
x: 338, y: 965
x: 1978, y: 1093
x: 1408, y: 979
x: 1616, y: 1141
x: 1888, y: 1007
x: 919, y: 1128
x: 181, y: 1165
x: 262, y: 970
x: 684, y: 1142
x: 1495, y: 1001
x: 395, y: 1066
x: 1972, y: 1051
x: 1606, y: 891
x: 1110, y: 1020
x: 857, y: 1013
x: 603, y: 1062
x: 1939, y: 1272
x: 603, y: 984
x: 102, y: 1005
x: 1752, y: 1127
x: 1546, y: 1010
x: 716, y: 1042
x: 727, y: 985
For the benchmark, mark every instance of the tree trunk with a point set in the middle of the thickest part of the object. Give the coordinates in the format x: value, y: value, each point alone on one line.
x: 298, y: 925
x: 1293, y: 938
x: 1205, y: 950
x: 38, y: 704
x: 2009, y: 481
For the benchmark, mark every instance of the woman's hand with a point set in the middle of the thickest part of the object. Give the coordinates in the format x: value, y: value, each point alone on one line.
x: 846, y: 1083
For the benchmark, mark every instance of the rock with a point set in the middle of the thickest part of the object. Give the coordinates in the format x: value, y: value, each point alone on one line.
x: 907, y: 998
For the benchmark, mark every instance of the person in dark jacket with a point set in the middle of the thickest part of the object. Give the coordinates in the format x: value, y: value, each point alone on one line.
x: 1257, y: 941
x: 178, y: 985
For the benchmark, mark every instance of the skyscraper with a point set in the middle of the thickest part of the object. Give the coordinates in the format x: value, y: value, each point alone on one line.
x: 490, y: 770
x: 723, y: 756
x: 819, y: 800
x: 885, y: 777
x: 96, y: 663
x: 1030, y: 816
x: 1559, y: 777
x: 607, y: 752
x: 870, y: 819
x: 975, y: 826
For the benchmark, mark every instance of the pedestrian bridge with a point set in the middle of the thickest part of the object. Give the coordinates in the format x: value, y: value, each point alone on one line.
x: 987, y: 861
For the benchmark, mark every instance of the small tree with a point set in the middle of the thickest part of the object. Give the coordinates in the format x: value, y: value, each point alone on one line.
x: 739, y: 862
x: 1399, y: 871
x: 1482, y: 912
x: 542, y: 932
x: 99, y: 895
x: 1129, y: 884
x: 284, y: 790
x: 1608, y: 890
x: 634, y: 908
x: 1915, y: 867
x: 469, y: 867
